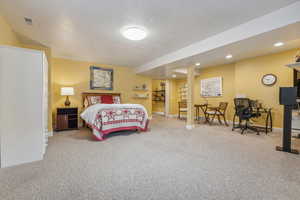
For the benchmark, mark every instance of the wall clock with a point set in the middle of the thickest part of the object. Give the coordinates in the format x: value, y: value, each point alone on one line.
x: 269, y: 79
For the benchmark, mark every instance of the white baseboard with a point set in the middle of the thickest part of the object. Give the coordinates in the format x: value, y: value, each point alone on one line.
x: 50, y: 133
x: 159, y: 113
x: 172, y: 116
x: 190, y: 127
x: 182, y: 116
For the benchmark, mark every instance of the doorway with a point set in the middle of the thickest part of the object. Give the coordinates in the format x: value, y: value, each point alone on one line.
x: 159, y: 97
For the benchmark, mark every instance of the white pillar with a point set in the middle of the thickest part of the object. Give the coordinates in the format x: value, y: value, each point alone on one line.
x: 167, y: 98
x: 190, y: 97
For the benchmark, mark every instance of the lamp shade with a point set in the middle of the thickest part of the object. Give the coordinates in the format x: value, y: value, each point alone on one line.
x: 66, y: 91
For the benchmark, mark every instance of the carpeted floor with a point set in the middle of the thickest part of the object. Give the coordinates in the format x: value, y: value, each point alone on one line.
x: 167, y: 163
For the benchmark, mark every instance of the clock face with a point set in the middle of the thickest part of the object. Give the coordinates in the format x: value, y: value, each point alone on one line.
x: 269, y: 79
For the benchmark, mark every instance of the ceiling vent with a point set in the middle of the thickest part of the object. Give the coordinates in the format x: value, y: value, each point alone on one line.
x: 28, y: 21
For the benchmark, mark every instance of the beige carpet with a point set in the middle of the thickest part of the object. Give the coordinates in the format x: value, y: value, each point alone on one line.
x: 167, y: 163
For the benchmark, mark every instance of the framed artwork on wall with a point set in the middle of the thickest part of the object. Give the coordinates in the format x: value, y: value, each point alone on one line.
x: 211, y: 87
x: 101, y: 78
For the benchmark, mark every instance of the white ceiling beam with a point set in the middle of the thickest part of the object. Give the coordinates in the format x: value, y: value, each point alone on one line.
x: 272, y: 21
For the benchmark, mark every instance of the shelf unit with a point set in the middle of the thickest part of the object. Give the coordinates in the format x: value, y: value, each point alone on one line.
x: 158, y: 95
x: 182, y: 93
x: 295, y: 66
x: 141, y: 92
x: 140, y: 89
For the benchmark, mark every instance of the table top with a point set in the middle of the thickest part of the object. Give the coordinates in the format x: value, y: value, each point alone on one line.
x: 67, y: 108
x: 264, y: 110
x: 199, y: 105
x: 213, y: 107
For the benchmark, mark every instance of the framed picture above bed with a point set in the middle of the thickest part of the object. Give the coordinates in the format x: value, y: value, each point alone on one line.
x: 101, y: 78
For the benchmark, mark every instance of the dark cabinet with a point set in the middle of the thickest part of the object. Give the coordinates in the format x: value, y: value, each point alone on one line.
x: 66, y: 119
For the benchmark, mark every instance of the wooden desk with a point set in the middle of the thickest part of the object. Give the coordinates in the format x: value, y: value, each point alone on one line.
x: 203, y: 107
x: 268, y: 121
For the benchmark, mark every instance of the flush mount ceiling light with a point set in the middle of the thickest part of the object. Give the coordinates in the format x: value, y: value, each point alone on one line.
x: 229, y: 56
x: 174, y: 75
x: 278, y: 44
x: 134, y: 33
x: 198, y: 64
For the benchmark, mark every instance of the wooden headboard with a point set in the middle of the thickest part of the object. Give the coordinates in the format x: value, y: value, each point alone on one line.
x: 86, y: 94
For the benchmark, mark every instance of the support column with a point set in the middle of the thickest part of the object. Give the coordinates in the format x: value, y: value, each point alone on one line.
x: 190, y: 97
x: 167, y: 98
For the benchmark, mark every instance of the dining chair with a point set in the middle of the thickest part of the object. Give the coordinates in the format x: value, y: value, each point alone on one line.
x: 182, y: 108
x: 218, y: 112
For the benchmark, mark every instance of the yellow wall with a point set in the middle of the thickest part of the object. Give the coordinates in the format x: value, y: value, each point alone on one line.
x: 74, y: 73
x: 248, y: 74
x: 173, y: 105
x: 178, y: 83
x: 227, y: 72
x: 244, y: 77
x: 7, y: 35
x: 77, y: 74
x: 157, y: 106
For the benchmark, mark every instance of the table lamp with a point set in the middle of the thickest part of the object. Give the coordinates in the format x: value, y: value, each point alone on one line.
x: 67, y: 91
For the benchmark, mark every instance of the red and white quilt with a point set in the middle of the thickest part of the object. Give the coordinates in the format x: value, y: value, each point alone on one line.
x: 107, y: 118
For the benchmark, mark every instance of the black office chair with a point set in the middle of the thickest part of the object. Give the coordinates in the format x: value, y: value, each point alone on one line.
x: 244, y: 111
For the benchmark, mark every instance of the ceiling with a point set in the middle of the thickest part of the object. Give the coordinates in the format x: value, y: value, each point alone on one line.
x: 259, y: 45
x: 90, y: 30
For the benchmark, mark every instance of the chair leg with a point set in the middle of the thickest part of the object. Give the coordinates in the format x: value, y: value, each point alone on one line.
x: 233, y: 123
x: 225, y: 120
x: 219, y: 119
x: 245, y: 127
x: 206, y: 118
x: 212, y: 119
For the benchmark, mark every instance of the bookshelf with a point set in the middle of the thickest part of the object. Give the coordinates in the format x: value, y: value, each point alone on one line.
x: 158, y: 95
x: 182, y: 92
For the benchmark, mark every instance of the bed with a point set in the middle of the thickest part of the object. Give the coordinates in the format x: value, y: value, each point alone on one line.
x: 104, y: 114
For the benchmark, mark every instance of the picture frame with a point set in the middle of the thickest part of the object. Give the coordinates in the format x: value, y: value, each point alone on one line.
x: 101, y: 78
x: 211, y: 87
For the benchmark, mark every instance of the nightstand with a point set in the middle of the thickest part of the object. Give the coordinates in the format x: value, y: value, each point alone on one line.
x: 67, y: 118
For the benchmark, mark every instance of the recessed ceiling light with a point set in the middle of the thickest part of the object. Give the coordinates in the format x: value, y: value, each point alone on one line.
x: 174, y: 75
x: 229, y: 56
x: 278, y: 44
x: 198, y: 64
x: 134, y: 33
